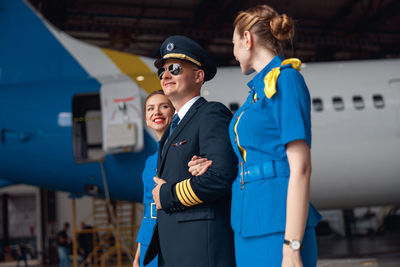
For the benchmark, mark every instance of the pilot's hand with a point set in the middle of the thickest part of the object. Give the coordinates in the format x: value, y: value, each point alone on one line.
x: 156, y: 191
x: 198, y: 165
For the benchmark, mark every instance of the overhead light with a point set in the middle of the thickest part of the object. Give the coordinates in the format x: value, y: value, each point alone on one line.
x: 140, y: 78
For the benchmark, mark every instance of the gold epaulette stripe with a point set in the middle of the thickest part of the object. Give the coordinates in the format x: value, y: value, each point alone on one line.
x: 195, y: 198
x: 187, y: 193
x: 179, y: 192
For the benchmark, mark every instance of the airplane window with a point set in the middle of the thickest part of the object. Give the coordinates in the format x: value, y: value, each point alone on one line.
x: 358, y: 102
x: 234, y: 106
x: 338, y: 103
x: 318, y: 105
x: 378, y: 101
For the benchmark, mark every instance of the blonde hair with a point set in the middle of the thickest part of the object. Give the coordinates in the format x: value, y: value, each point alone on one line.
x: 263, y: 21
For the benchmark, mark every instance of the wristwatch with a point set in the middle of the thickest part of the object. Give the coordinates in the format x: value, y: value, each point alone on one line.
x: 293, y: 244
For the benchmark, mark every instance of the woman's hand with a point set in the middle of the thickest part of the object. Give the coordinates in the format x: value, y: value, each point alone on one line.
x: 291, y: 258
x: 137, y: 257
x: 198, y: 165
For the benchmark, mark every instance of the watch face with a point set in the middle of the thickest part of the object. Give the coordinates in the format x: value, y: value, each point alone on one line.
x: 295, y: 245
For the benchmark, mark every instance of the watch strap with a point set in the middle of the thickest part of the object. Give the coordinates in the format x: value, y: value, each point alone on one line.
x: 288, y: 242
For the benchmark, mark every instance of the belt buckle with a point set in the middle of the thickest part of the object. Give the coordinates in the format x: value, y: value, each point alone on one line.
x: 151, y: 211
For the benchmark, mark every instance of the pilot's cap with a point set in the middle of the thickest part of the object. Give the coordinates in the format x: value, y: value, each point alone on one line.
x: 184, y: 48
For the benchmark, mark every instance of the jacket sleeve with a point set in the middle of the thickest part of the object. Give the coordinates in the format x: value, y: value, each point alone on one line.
x: 214, y: 144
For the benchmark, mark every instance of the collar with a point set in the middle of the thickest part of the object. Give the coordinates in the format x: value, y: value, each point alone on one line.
x: 185, y: 108
x: 257, y: 83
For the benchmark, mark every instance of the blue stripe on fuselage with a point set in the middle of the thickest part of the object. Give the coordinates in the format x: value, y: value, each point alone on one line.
x: 28, y: 50
x: 38, y: 79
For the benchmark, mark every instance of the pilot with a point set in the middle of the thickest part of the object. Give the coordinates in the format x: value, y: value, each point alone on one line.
x: 193, y: 226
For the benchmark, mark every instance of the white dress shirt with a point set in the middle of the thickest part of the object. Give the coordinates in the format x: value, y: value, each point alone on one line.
x: 185, y: 108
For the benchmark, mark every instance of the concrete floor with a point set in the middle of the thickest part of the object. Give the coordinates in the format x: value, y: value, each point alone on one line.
x: 391, y: 261
x: 359, y: 246
x: 373, y: 251
x: 381, y: 250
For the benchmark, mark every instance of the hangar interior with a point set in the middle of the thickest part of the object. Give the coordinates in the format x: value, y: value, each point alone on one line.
x: 325, y: 31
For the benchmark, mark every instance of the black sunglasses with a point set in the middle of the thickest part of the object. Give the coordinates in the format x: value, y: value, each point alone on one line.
x: 174, y: 69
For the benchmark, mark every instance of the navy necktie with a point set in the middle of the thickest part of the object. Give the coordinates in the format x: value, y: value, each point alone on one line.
x: 174, y: 123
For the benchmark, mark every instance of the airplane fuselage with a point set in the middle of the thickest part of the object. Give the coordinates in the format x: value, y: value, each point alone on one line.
x: 56, y: 120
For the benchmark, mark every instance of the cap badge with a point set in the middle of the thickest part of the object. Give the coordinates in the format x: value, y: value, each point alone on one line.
x: 170, y: 47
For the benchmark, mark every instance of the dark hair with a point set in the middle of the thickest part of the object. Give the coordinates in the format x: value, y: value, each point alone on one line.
x: 157, y: 92
x: 263, y: 21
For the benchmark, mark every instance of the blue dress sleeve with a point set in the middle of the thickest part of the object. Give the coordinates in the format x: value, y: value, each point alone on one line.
x: 294, y: 108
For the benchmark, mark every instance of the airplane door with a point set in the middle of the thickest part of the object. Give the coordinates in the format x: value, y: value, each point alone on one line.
x: 87, y: 128
x: 122, y: 117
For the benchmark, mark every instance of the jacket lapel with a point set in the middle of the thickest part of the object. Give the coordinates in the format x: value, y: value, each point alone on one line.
x: 165, y: 143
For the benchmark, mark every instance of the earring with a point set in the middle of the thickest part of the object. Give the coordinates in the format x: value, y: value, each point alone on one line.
x: 247, y: 48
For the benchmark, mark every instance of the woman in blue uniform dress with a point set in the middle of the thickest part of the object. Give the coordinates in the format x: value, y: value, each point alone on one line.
x: 273, y: 221
x: 159, y: 112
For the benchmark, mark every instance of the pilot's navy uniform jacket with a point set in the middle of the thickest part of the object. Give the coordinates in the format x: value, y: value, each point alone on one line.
x: 276, y: 112
x: 194, y: 223
x: 193, y: 227
x: 150, y: 211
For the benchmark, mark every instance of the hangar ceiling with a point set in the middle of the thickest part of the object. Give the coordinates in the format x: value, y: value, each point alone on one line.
x: 326, y: 30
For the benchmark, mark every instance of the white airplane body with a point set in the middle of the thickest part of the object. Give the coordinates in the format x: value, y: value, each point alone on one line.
x: 355, y: 151
x: 355, y: 120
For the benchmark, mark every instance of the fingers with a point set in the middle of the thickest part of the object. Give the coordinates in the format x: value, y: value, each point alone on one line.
x: 197, y: 161
x: 201, y: 168
x: 195, y: 157
x: 159, y: 181
x: 156, y: 196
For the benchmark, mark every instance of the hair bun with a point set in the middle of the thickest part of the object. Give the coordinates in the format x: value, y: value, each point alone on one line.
x: 282, y: 27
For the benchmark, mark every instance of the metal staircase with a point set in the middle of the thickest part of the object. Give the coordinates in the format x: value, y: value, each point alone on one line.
x: 115, y: 226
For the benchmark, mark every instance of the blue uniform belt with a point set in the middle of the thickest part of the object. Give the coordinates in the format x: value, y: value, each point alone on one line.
x: 250, y: 172
x: 150, y: 211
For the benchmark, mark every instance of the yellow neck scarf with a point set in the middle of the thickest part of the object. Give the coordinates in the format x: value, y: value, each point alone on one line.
x: 272, y: 76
